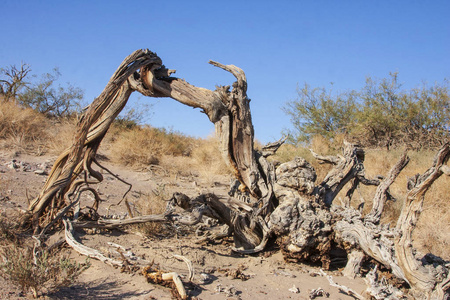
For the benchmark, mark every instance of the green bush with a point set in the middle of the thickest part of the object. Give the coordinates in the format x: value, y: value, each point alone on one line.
x: 42, y: 95
x: 381, y: 114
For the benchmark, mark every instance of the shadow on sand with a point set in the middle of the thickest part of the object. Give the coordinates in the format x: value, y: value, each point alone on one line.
x: 96, y: 290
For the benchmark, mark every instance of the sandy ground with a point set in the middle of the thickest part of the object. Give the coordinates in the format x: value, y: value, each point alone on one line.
x: 267, y: 275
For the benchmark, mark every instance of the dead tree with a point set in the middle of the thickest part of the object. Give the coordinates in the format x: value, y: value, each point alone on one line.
x: 143, y: 71
x: 14, y: 81
x: 284, y: 202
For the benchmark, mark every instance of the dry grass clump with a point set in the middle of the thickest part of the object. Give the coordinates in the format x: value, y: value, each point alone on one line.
x: 22, y: 129
x: 152, y: 204
x: 25, y: 130
x: 207, y: 159
x: 33, y: 268
x: 145, y: 145
x: 62, y: 136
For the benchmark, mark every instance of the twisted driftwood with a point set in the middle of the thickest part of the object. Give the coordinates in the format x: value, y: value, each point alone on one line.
x: 282, y: 202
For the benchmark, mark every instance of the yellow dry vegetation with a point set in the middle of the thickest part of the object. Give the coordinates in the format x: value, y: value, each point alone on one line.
x: 145, y: 145
x: 24, y: 130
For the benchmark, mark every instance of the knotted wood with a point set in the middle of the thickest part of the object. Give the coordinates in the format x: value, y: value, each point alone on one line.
x: 284, y: 202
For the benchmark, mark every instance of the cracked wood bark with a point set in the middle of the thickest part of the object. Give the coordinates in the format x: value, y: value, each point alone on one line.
x: 422, y: 278
x: 62, y: 180
x: 382, y: 190
x: 143, y: 71
x: 348, y: 167
x: 375, y: 241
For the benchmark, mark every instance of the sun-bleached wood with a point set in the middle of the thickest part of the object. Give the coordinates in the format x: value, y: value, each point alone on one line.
x: 284, y: 202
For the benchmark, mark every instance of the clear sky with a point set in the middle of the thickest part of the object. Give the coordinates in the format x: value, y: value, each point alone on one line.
x: 279, y: 44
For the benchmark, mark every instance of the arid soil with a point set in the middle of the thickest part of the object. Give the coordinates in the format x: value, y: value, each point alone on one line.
x: 262, y: 276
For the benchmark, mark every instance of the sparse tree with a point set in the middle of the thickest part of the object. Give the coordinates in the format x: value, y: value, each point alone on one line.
x: 12, y: 80
x: 47, y: 99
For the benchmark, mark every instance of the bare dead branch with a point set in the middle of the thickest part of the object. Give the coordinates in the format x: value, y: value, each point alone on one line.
x: 342, y: 288
x: 381, y: 193
x: 421, y: 278
x: 84, y: 250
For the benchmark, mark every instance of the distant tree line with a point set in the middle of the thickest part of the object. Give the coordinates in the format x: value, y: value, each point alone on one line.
x: 39, y: 93
x: 381, y: 114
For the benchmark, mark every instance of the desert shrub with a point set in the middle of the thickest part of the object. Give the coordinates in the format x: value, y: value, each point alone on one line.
x: 32, y: 268
x: 38, y: 272
x: 42, y: 95
x: 22, y: 128
x: 317, y: 111
x: 7, y: 231
x: 132, y: 116
x: 381, y: 114
x: 145, y: 145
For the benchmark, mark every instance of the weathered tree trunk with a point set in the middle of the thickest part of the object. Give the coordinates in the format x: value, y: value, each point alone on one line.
x: 62, y: 181
x: 353, y: 266
x: 348, y: 167
x: 381, y: 193
x: 230, y: 113
x: 422, y: 275
x: 143, y: 72
x: 284, y: 202
x: 428, y: 276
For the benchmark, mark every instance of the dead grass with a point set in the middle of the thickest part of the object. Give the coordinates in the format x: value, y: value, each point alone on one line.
x: 62, y: 135
x: 33, y: 268
x: 208, y: 161
x: 22, y: 129
x: 151, y: 204
x: 143, y: 146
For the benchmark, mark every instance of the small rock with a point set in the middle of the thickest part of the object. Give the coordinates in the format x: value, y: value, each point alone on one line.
x: 40, y: 172
x: 205, y: 278
x: 25, y: 167
x: 294, y: 290
x: 13, y: 165
x: 318, y: 293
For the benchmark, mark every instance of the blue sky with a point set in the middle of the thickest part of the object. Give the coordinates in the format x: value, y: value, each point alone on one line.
x: 279, y: 44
